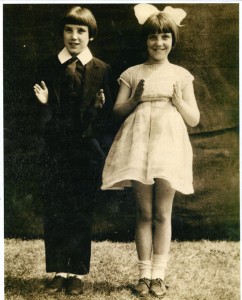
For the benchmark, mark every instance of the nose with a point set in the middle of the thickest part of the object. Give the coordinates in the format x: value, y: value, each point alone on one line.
x: 159, y: 41
x: 74, y: 35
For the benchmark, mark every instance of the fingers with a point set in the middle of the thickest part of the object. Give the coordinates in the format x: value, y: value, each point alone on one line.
x: 100, y: 98
x: 176, y: 87
x: 100, y: 95
x: 177, y: 93
x: 141, y: 82
x: 38, y: 88
x: 141, y: 85
x: 41, y: 92
x: 100, y: 92
x: 139, y: 90
x: 43, y: 85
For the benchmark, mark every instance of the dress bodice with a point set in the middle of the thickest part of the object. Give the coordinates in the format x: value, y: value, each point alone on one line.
x: 159, y: 80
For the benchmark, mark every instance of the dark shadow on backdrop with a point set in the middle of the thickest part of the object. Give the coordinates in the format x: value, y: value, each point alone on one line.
x: 208, y: 48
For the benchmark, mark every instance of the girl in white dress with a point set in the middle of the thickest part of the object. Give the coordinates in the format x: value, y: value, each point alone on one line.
x: 152, y: 152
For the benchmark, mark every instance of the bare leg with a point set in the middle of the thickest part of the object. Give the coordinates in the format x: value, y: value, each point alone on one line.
x: 143, y: 237
x: 164, y: 196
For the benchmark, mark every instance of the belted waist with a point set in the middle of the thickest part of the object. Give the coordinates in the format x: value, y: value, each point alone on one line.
x: 157, y: 102
x: 156, y: 98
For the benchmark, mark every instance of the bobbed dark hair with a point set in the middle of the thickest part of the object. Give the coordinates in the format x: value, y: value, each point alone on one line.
x: 160, y: 23
x: 78, y: 15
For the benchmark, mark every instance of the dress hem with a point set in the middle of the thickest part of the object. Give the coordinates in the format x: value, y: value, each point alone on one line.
x: 120, y: 186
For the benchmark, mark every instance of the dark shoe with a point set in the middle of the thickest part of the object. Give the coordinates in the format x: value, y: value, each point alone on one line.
x: 158, y: 287
x: 57, y: 284
x: 142, y: 287
x: 74, y: 286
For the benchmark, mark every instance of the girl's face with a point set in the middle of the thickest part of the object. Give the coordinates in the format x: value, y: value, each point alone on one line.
x: 76, y: 38
x: 159, y: 46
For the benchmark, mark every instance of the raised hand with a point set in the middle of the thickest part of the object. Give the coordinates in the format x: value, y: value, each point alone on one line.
x: 100, y: 99
x: 139, y: 91
x: 177, y: 94
x: 41, y: 92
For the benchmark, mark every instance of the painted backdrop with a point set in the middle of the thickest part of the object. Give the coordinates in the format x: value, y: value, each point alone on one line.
x: 208, y: 48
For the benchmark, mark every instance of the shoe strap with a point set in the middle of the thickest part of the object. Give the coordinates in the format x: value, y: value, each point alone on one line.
x: 145, y: 281
x: 159, y: 281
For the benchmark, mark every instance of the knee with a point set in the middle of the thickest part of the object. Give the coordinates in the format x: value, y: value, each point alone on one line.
x: 162, y: 218
x: 144, y: 217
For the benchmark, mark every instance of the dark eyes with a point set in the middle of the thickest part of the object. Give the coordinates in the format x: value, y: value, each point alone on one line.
x: 69, y: 30
x: 163, y: 36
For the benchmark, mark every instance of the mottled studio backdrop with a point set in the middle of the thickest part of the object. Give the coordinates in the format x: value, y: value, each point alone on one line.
x: 208, y: 48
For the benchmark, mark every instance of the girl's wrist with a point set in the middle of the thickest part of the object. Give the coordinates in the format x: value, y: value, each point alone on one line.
x: 179, y: 104
x: 134, y: 100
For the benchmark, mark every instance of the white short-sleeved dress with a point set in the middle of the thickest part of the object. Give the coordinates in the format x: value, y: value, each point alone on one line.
x: 153, y: 141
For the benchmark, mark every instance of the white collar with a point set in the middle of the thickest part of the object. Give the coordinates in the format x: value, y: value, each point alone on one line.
x: 85, y: 56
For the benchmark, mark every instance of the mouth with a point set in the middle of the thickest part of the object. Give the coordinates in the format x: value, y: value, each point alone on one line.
x: 158, y: 50
x: 74, y: 44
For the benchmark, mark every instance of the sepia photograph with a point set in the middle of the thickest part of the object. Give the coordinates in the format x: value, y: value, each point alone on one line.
x: 120, y: 150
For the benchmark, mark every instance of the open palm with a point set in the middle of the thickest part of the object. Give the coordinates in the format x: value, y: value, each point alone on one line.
x: 41, y: 92
x: 100, y: 99
x: 139, y: 91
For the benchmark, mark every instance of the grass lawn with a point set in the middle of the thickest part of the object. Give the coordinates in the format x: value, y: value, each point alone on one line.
x: 196, y: 271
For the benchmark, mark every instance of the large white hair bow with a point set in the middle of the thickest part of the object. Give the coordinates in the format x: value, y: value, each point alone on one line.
x: 143, y: 11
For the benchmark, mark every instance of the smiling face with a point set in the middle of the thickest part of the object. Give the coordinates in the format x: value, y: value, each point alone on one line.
x: 76, y: 38
x: 159, y: 46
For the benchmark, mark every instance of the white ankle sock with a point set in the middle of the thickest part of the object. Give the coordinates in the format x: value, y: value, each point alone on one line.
x: 159, y: 266
x: 145, y: 268
x: 61, y: 274
x: 75, y: 275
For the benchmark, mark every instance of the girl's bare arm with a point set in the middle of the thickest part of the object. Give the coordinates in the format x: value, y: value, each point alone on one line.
x: 186, y: 104
x: 125, y: 104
